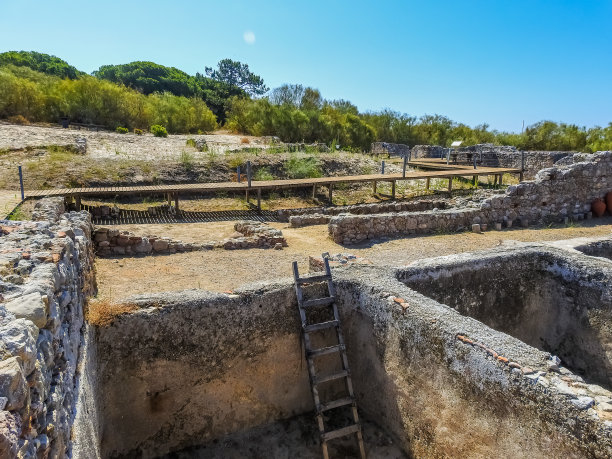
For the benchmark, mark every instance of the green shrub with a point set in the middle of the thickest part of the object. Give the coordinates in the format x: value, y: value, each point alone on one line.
x: 138, y: 132
x: 122, y: 130
x: 263, y: 173
x: 159, y: 131
x: 187, y: 160
x: 191, y: 143
x: 309, y: 167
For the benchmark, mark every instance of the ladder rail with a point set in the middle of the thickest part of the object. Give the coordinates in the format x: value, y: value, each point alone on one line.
x: 311, y: 354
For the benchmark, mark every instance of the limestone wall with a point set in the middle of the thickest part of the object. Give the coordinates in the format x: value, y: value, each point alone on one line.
x: 489, y: 155
x: 249, y: 234
x: 390, y: 149
x: 564, y: 191
x: 46, y: 270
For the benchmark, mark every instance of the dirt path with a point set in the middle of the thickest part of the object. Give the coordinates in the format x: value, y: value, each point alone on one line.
x: 222, y: 270
x: 8, y: 201
x: 106, y: 144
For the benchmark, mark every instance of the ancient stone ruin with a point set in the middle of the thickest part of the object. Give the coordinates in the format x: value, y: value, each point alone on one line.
x: 495, y: 353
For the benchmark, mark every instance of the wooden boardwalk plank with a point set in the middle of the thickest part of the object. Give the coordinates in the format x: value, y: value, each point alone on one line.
x: 447, y: 172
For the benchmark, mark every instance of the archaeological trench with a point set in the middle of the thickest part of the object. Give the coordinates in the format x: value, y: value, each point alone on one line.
x: 498, y: 353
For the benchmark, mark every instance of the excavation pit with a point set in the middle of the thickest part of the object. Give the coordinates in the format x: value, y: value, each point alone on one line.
x: 199, y: 374
x: 546, y: 298
x: 601, y: 248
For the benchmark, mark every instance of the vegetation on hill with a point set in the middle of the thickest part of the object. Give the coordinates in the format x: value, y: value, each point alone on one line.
x: 39, y: 87
x: 40, y: 62
x: 44, y: 98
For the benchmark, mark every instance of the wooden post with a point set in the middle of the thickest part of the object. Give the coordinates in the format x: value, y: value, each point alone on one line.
x: 382, y: 168
x: 501, y: 179
x: 247, y: 195
x: 393, y: 189
x: 427, y: 183
x: 169, y: 196
x: 77, y: 202
x: 249, y: 174
x: 374, y: 187
x: 238, y: 173
x: 521, y: 177
x: 176, y: 202
x: 21, y: 183
x: 314, y: 191
x: 475, y: 181
x: 450, y: 184
x: 494, y: 180
x: 258, y: 198
x: 404, y: 169
x: 331, y: 189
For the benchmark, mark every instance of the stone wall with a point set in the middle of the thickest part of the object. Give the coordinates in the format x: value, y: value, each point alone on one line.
x: 47, y: 274
x: 555, y: 194
x: 444, y: 384
x: 249, y: 234
x: 322, y: 215
x: 390, y: 149
x: 429, y: 151
x: 489, y: 155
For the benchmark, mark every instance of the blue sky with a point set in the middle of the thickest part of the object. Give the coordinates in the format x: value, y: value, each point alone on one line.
x: 499, y: 62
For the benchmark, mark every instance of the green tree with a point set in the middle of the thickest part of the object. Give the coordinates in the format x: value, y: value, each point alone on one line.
x: 237, y: 74
x: 40, y: 62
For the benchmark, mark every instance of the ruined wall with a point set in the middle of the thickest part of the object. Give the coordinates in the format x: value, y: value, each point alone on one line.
x: 321, y: 215
x: 46, y: 270
x: 547, y: 298
x: 559, y: 192
x: 448, y: 386
x: 249, y: 235
x: 193, y: 366
x: 391, y: 149
x: 489, y: 155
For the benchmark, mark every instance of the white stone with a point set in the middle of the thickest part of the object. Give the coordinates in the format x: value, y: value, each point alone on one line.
x: 34, y: 307
x: 13, y: 385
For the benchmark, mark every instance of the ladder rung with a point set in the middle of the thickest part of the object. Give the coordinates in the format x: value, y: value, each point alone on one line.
x: 320, y: 278
x: 340, y: 432
x: 336, y: 404
x: 331, y: 377
x: 320, y: 326
x: 319, y: 302
x: 326, y: 350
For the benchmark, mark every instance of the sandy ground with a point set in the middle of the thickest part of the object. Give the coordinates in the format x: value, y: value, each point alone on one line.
x: 8, y: 201
x: 104, y: 144
x: 293, y: 438
x: 221, y: 270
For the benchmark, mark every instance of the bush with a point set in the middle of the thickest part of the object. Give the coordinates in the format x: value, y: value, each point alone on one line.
x: 263, y: 174
x: 297, y: 168
x: 18, y: 119
x: 159, y: 131
x: 191, y: 143
x: 187, y: 160
x: 138, y: 132
x: 122, y: 130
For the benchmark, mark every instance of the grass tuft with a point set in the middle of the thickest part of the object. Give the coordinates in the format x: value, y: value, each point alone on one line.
x: 103, y: 313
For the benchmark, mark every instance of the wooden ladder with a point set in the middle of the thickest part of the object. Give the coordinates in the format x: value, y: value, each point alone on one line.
x: 312, y: 354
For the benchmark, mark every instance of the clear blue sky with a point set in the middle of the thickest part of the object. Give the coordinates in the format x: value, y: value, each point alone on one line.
x: 493, y: 61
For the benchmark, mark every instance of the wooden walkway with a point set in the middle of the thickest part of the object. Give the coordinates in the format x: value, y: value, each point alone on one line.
x: 173, y: 191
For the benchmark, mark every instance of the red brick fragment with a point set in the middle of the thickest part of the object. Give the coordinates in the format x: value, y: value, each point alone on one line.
x: 399, y: 300
x: 502, y: 359
x: 229, y: 292
x: 26, y: 255
x: 61, y: 234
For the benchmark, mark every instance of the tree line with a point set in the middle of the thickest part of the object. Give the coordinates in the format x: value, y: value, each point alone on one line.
x: 38, y: 87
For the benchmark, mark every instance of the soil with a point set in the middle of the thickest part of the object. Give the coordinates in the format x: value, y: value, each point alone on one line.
x: 296, y: 437
x: 223, y: 270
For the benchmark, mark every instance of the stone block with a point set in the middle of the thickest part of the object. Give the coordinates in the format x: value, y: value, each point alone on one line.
x: 476, y: 228
x: 13, y: 384
x: 34, y: 307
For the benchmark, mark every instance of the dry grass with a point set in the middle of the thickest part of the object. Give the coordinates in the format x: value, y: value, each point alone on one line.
x: 103, y: 313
